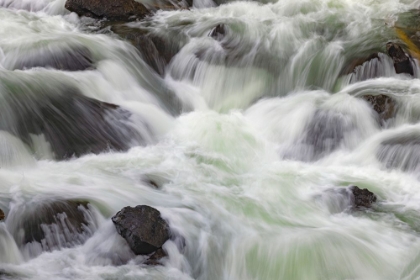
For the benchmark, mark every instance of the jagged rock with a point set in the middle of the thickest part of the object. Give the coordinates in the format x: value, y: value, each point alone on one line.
x: 402, y: 61
x: 384, y: 105
x: 362, y: 197
x: 142, y: 227
x: 69, y: 58
x: 1, y: 215
x: 110, y: 9
x: 53, y: 224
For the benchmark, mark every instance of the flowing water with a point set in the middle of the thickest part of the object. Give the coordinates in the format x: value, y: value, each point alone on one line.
x: 253, y: 138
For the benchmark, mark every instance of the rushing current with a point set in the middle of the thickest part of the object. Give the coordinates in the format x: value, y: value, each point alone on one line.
x: 251, y: 141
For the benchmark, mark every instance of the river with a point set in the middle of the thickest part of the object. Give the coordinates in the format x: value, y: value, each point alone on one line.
x: 226, y: 134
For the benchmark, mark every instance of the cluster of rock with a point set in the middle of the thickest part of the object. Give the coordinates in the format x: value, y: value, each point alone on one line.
x: 59, y: 224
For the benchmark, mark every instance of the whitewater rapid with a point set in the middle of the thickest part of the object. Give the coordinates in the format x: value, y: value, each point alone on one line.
x: 225, y: 138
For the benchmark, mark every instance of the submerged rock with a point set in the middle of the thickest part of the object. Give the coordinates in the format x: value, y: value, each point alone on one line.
x: 218, y: 32
x: 156, y: 50
x: 356, y: 62
x: 52, y: 224
x: 142, y: 227
x: 74, y: 124
x: 1, y: 215
x: 400, y: 152
x: 324, y: 134
x: 402, y: 61
x: 110, y: 9
x: 68, y: 58
x: 363, y: 198
x: 384, y: 105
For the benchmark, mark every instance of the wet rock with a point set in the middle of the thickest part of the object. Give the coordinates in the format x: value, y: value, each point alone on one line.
x: 70, y: 58
x: 402, y: 61
x: 109, y: 9
x: 384, y: 105
x: 1, y: 215
x: 356, y: 62
x: 218, y: 32
x: 363, y: 198
x: 52, y: 224
x: 142, y: 227
x: 74, y: 124
x: 156, y: 257
x: 324, y: 134
x: 156, y: 50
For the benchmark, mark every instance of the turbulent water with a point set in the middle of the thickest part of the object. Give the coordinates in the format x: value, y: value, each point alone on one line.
x: 251, y: 138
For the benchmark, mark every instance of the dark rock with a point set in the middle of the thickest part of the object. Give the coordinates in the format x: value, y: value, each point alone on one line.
x: 142, y: 227
x: 156, y: 257
x: 110, y: 9
x: 402, y: 61
x: 384, y: 105
x: 54, y: 224
x: 362, y: 197
x: 218, y: 32
x: 72, y: 123
x: 1, y: 215
x: 69, y: 58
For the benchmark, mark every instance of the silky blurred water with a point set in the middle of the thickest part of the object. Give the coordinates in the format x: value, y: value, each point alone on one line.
x: 252, y: 138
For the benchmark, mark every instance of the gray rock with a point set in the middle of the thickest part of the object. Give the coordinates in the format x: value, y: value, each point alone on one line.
x: 142, y: 227
x: 70, y: 58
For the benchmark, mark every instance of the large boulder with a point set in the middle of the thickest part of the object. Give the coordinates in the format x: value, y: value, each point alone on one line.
x: 110, y: 9
x: 142, y: 227
x: 68, y: 58
x: 48, y: 225
x: 70, y: 122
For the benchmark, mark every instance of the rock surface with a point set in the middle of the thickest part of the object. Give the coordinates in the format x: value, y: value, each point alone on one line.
x: 69, y: 58
x: 356, y: 62
x: 110, y: 9
x: 384, y: 105
x: 363, y: 198
x: 142, y: 227
x: 156, y: 257
x: 156, y: 50
x: 402, y: 61
x: 54, y: 224
x: 71, y: 123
